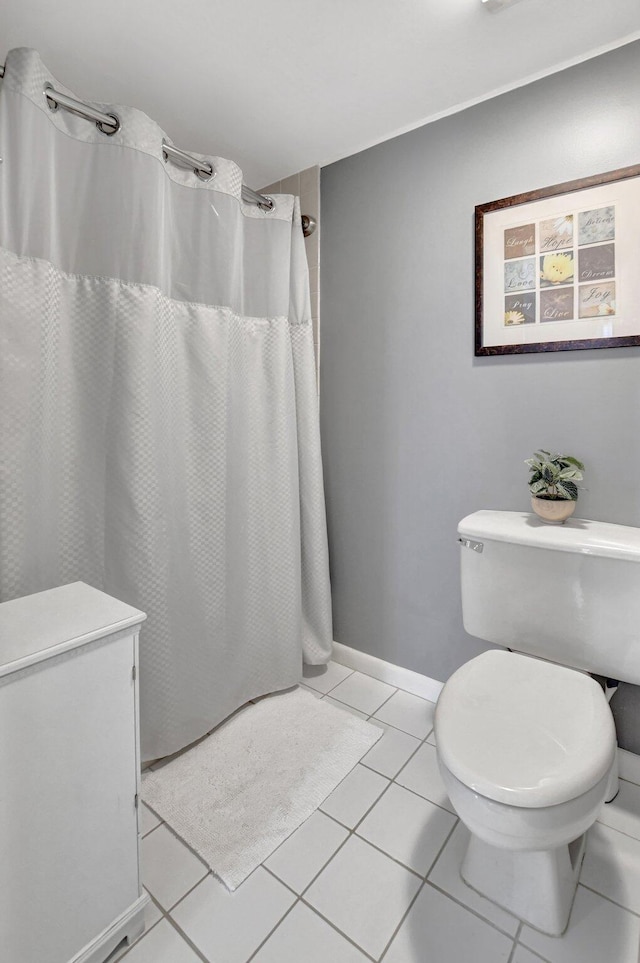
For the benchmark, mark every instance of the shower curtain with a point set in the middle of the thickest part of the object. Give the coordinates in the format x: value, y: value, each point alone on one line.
x: 159, y: 426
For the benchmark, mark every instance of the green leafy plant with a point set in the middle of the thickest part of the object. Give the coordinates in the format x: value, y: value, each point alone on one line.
x: 554, y: 477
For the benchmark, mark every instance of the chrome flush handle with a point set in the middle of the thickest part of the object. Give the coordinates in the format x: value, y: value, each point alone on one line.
x: 470, y: 543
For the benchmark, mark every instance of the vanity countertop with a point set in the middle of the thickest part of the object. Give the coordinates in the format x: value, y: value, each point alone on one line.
x: 40, y: 626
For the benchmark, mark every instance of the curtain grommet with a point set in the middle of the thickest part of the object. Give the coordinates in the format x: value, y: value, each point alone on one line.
x: 52, y: 104
x: 204, y: 175
x: 110, y: 129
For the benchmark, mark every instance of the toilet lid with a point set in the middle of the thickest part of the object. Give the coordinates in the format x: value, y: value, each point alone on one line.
x: 523, y: 731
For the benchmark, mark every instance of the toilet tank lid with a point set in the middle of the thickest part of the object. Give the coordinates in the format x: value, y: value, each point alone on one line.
x: 576, y: 535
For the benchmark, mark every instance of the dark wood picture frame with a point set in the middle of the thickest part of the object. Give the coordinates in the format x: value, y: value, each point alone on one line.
x: 484, y: 212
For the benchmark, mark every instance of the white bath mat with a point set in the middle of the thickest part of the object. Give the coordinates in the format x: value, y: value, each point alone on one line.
x: 240, y: 792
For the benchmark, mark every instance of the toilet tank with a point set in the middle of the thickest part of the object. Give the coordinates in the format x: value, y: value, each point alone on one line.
x: 569, y: 593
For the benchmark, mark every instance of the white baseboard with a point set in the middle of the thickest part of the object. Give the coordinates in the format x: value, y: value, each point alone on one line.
x: 407, y: 679
x: 629, y: 764
x: 129, y: 924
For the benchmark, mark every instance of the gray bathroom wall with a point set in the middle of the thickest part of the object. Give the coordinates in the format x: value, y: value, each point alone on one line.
x: 416, y: 431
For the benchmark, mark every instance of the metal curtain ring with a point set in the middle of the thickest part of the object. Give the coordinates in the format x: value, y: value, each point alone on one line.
x: 203, y: 175
x: 110, y: 129
x: 267, y: 205
x: 52, y: 104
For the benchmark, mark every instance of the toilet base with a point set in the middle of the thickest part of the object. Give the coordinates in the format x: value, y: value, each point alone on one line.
x: 536, y: 886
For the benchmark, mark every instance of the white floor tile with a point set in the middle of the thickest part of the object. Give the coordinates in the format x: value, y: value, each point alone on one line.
x: 364, y: 893
x: 612, y: 866
x: 148, y: 820
x: 346, y: 708
x: 390, y: 753
x: 407, y: 827
x: 354, y: 796
x: 303, y: 936
x: 313, y: 692
x: 305, y: 852
x: 598, y: 932
x: 162, y: 945
x: 169, y: 869
x: 408, y: 712
x: 230, y: 926
x: 624, y: 812
x: 446, y: 875
x: 523, y: 955
x: 324, y: 678
x: 151, y: 915
x: 362, y: 692
x: 422, y: 775
x: 431, y: 738
x: 438, y: 930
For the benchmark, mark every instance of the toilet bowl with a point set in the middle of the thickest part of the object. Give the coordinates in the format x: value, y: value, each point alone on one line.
x: 526, y: 749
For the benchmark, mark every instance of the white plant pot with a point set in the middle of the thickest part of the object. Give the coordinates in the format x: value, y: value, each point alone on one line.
x: 555, y: 511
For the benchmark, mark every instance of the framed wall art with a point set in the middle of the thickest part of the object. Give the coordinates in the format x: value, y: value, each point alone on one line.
x: 558, y: 269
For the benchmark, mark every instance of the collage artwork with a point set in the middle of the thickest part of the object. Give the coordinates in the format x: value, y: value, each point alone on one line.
x: 560, y: 269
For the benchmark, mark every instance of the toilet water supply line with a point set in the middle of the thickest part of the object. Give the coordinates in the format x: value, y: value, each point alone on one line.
x: 109, y: 124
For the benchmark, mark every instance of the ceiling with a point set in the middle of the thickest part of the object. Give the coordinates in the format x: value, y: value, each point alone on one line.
x: 280, y: 85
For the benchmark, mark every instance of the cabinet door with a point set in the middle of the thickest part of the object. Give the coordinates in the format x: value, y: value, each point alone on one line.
x: 68, y: 822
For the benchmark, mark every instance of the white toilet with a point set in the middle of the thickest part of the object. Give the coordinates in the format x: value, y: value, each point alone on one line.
x: 527, y: 746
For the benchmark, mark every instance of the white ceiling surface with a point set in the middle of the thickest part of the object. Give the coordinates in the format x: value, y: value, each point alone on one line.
x: 280, y: 85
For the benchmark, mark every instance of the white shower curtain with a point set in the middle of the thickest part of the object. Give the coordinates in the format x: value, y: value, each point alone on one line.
x: 159, y: 433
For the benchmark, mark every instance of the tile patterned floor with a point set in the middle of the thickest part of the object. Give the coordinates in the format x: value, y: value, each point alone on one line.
x: 373, y: 874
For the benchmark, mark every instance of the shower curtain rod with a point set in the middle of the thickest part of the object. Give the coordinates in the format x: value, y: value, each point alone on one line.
x: 109, y: 124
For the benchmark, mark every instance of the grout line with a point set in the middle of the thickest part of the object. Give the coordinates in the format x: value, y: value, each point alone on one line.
x: 402, y: 919
x: 425, y: 798
x: 475, y: 912
x: 371, y: 715
x: 337, y: 929
x: 514, y: 947
x: 517, y: 942
x: 351, y: 672
x: 441, y: 850
x: 424, y: 878
x: 144, y: 836
x: 608, y: 899
x: 375, y: 678
x: 352, y: 832
x: 323, y: 867
x: 163, y: 915
x: 386, y: 775
x: 300, y: 899
x: 188, y: 893
x: 186, y: 846
x: 288, y: 886
x: 613, y: 829
x: 342, y: 844
x: 394, y: 779
x: 543, y: 959
x: 373, y: 719
x: 353, y: 828
x: 272, y: 931
x: 187, y: 940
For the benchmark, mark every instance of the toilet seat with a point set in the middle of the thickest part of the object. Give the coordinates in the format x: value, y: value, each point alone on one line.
x: 522, y: 731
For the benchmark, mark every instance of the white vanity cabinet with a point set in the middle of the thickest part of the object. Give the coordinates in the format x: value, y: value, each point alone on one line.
x: 69, y: 776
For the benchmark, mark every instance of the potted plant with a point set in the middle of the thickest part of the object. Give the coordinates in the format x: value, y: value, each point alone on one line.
x: 554, y: 485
